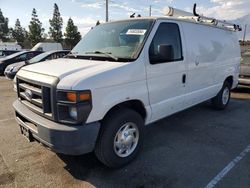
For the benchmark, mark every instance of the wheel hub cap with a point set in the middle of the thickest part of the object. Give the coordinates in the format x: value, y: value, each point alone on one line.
x: 126, y: 139
x: 225, y: 96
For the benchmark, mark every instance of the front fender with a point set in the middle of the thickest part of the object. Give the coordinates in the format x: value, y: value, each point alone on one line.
x: 105, y: 99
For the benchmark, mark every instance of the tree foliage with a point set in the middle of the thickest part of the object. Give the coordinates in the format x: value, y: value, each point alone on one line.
x: 19, y: 33
x: 35, y: 29
x: 56, y: 24
x: 72, y: 35
x: 4, y: 29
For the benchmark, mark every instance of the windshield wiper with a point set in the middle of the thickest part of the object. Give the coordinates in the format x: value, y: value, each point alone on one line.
x: 109, y: 54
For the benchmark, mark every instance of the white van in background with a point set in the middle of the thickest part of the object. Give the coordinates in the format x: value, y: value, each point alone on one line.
x: 123, y: 75
x: 47, y: 46
x: 10, y: 46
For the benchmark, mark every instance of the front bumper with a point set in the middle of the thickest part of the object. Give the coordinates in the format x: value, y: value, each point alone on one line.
x: 66, y: 139
x: 244, y: 81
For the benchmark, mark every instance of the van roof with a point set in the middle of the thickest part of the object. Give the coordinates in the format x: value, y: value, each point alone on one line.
x: 174, y: 19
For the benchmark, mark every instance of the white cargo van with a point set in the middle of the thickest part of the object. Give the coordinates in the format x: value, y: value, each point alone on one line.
x: 10, y: 46
x: 47, y: 46
x: 123, y: 75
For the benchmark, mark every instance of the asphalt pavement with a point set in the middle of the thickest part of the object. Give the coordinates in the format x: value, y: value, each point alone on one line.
x: 198, y: 147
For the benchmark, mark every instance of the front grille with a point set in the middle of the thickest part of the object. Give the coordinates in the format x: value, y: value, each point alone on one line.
x: 35, y: 96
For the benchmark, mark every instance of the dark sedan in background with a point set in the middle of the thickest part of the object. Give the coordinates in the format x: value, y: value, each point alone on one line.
x: 245, y: 70
x: 4, y: 53
x: 12, y: 69
x: 16, y: 57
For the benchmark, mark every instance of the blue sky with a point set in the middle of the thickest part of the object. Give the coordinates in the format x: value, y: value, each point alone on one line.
x: 85, y: 13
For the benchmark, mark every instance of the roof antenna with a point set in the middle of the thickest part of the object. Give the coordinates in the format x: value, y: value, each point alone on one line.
x: 132, y: 15
x: 194, y: 11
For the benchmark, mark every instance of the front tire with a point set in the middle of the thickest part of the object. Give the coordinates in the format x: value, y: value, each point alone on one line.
x: 120, y: 138
x: 221, y: 100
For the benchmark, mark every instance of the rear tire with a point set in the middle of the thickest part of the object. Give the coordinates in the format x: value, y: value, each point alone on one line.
x: 120, y: 138
x: 221, y: 100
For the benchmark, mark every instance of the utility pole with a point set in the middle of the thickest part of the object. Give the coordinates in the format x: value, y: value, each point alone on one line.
x: 107, y: 10
x: 244, y: 36
x: 150, y: 10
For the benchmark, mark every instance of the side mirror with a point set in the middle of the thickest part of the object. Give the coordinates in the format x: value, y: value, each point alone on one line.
x: 164, y: 54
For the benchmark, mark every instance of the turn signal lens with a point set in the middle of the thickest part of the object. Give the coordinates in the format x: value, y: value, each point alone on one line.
x: 84, y: 96
x: 71, y: 96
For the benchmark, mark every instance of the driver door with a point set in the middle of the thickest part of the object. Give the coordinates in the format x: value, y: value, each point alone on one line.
x: 166, y: 78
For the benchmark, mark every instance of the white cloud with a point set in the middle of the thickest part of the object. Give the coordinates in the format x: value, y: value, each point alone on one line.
x: 84, y: 24
x: 124, y: 7
x: 97, y: 5
x: 87, y: 21
x: 224, y: 9
x: 165, y: 1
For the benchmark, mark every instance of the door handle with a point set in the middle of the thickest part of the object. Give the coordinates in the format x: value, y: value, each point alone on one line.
x: 184, y: 78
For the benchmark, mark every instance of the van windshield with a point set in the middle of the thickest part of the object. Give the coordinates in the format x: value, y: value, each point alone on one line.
x: 120, y: 40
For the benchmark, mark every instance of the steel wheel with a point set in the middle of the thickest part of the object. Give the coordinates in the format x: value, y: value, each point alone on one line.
x: 120, y: 138
x: 126, y: 139
x: 225, y: 95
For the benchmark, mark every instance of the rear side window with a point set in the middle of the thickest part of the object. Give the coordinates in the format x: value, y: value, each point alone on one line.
x: 30, y: 55
x: 49, y: 57
x: 22, y: 57
x: 60, y: 54
x: 166, y: 40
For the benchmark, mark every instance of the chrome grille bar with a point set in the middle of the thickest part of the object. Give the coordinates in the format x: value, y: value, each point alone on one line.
x: 35, y: 90
x: 33, y: 95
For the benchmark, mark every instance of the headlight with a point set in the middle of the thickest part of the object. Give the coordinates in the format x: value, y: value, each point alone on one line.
x: 73, y: 106
x: 9, y: 69
x: 12, y: 69
x: 15, y: 69
x: 73, y: 112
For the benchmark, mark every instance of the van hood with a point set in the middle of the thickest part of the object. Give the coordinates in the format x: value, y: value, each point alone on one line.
x: 79, y: 73
x: 61, y: 68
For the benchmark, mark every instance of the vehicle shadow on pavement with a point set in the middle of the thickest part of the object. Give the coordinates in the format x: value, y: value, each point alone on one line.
x: 154, y: 165
x: 80, y: 166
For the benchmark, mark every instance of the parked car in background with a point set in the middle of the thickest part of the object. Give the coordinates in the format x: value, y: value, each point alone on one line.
x: 12, y: 69
x: 47, y: 46
x: 10, y: 46
x: 245, y: 70
x: 16, y: 57
x: 4, y: 53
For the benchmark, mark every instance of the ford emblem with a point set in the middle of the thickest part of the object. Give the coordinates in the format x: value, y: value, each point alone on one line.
x: 28, y: 94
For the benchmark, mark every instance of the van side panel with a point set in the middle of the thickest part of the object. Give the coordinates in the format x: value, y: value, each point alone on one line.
x: 213, y: 54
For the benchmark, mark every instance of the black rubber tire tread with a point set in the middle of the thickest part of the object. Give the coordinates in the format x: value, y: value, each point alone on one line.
x: 217, y: 100
x: 110, y: 125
